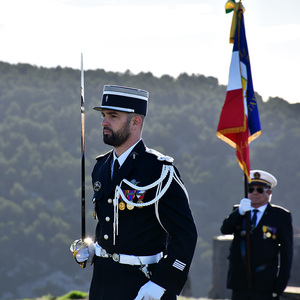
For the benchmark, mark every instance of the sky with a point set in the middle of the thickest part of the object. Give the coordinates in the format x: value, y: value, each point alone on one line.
x: 158, y: 36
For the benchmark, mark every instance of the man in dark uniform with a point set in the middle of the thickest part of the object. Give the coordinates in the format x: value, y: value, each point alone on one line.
x: 145, y: 236
x: 271, y: 243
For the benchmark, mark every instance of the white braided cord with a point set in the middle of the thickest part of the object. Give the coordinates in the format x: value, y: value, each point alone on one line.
x: 159, y: 192
x: 177, y: 179
x: 158, y: 195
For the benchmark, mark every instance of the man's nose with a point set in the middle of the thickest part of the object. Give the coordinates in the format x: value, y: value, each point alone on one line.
x: 104, y: 122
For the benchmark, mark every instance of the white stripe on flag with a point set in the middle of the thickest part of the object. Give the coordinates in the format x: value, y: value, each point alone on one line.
x: 245, y: 85
x: 235, y: 80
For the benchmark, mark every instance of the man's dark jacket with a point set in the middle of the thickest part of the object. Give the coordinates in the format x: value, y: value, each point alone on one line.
x: 140, y: 232
x: 272, y: 236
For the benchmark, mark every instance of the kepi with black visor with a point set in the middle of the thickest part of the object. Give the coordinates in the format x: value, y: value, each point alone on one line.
x: 126, y: 99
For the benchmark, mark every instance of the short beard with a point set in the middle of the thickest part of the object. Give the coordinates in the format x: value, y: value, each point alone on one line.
x: 117, y: 138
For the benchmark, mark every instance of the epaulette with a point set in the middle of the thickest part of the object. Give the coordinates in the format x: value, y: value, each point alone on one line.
x: 280, y: 207
x: 101, y: 156
x: 160, y: 156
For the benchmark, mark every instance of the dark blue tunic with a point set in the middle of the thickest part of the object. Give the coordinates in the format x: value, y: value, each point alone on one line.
x: 139, y: 231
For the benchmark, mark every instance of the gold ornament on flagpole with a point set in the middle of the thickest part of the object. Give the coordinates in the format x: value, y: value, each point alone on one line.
x: 230, y: 6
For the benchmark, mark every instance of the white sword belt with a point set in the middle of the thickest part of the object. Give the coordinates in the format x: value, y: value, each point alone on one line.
x: 128, y: 259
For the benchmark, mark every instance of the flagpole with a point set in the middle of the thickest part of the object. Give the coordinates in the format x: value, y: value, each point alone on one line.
x: 248, y: 218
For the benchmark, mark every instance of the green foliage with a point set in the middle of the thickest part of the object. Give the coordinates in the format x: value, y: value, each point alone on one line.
x: 40, y: 165
x: 48, y: 297
x: 73, y: 295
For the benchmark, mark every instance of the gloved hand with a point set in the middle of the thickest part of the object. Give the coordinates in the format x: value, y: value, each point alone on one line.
x: 150, y: 291
x: 83, y: 250
x: 245, y: 205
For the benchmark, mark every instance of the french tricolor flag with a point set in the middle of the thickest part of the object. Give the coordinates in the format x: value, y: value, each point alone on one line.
x: 239, y: 122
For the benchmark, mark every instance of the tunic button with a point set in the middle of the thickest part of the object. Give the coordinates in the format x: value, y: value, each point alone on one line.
x: 107, y: 219
x: 109, y: 201
x: 105, y: 236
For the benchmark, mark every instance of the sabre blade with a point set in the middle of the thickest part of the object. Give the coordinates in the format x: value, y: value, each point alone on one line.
x: 82, y: 154
x: 82, y: 84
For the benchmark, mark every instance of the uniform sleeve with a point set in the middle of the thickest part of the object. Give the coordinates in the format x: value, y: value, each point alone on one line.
x: 176, y: 217
x: 232, y: 222
x: 286, y: 254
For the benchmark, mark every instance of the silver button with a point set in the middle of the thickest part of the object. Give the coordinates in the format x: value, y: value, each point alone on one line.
x: 109, y: 201
x: 105, y: 236
x: 116, y: 257
x: 107, y: 219
x: 103, y: 253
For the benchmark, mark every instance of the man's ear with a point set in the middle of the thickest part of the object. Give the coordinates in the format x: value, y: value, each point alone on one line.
x: 136, y: 121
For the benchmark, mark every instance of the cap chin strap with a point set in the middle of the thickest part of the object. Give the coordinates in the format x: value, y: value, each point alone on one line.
x: 160, y: 191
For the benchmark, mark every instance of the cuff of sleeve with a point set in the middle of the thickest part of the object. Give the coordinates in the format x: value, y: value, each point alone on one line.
x: 169, y: 281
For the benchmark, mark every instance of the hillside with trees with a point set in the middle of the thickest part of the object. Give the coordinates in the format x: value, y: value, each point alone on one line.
x: 40, y: 166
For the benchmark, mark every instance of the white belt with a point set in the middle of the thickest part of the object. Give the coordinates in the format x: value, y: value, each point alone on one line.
x: 128, y: 259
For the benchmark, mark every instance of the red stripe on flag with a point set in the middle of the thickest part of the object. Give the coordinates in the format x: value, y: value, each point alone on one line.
x: 242, y: 149
x: 233, y: 127
x: 232, y: 115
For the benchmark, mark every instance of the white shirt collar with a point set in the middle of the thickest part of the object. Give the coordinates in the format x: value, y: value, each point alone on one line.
x: 124, y: 155
x: 261, y: 208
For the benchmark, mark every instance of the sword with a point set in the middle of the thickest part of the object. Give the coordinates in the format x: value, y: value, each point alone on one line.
x: 83, y: 264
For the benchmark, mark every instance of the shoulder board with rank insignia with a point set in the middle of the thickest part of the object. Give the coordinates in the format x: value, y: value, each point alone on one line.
x: 101, y: 156
x: 160, y: 156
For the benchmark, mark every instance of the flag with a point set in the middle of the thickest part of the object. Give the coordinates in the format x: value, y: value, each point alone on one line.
x: 239, y: 122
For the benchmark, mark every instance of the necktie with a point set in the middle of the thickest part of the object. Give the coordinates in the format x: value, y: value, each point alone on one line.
x: 254, y: 218
x: 116, y: 167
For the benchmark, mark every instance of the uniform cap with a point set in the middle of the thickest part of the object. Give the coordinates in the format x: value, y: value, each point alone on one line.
x: 260, y: 177
x: 124, y: 99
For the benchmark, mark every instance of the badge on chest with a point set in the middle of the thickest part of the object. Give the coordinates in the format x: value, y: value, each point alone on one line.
x: 134, y: 196
x: 269, y: 232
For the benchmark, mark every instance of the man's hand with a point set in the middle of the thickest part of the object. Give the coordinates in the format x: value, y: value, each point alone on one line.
x: 83, y: 251
x: 245, y: 205
x: 150, y: 291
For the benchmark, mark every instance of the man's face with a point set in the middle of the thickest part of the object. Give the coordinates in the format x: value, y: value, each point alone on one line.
x: 257, y: 198
x: 116, y: 127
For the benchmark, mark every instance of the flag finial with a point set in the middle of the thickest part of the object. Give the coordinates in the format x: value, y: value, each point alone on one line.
x: 230, y: 6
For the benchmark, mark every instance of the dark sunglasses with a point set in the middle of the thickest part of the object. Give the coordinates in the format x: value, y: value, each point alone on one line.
x: 260, y: 190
